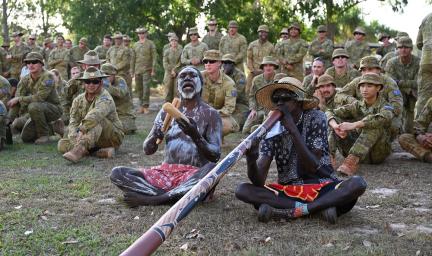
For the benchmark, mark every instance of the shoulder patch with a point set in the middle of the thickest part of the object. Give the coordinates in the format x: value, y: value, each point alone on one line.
x: 122, y: 84
x: 388, y: 107
x: 105, y: 82
x: 49, y: 82
x: 242, y: 81
x: 104, y: 97
x: 397, y: 92
x: 2, y: 109
x: 234, y: 93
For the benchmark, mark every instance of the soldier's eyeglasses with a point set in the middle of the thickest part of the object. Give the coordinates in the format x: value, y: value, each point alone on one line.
x: 209, y: 61
x: 92, y: 81
x: 32, y: 62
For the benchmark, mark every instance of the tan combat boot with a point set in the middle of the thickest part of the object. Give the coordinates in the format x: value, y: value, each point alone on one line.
x: 42, y: 140
x: 58, y: 127
x: 350, y: 165
x: 105, y: 152
x: 78, y: 152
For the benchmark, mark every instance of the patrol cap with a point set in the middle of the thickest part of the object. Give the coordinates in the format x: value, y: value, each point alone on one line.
x: 173, y: 37
x: 109, y: 69
x: 228, y: 58
x: 371, y: 78
x: 212, y: 21
x: 83, y: 40
x: 212, y: 55
x: 263, y: 28
x: 141, y: 30
x: 34, y: 56
x: 340, y: 52
x: 117, y: 35
x: 193, y: 30
x: 269, y: 60
x: 294, y: 25
x: 284, y: 31
x: 369, y: 62
x: 91, y: 58
x: 383, y: 35
x: 404, y: 42
x: 126, y: 38
x: 325, y: 79
x: 401, y: 34
x: 92, y: 73
x: 233, y: 24
x: 322, y: 28
x: 17, y: 33
x: 359, y: 30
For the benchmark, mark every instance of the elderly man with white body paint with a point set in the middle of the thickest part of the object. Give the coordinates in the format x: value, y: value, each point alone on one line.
x: 191, y: 149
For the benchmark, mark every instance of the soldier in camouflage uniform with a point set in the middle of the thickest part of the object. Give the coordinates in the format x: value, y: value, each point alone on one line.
x: 357, y: 48
x: 119, y: 56
x: 31, y: 44
x: 118, y: 89
x: 57, y: 58
x: 166, y: 46
x: 4, y: 65
x: 193, y: 52
x: 94, y: 125
x: 257, y: 113
x: 424, y: 43
x: 76, y: 53
x: 403, y: 69
x: 322, y: 46
x: 16, y: 55
x: 234, y: 43
x: 242, y: 104
x: 36, y: 93
x: 390, y: 92
x: 213, y: 37
x: 419, y: 143
x: 341, y: 71
x: 5, y: 88
x: 284, y: 35
x: 386, y: 46
x: 48, y: 47
x: 103, y: 49
x: 128, y: 77
x: 3, y: 123
x: 291, y: 53
x: 144, y: 68
x: 310, y: 81
x: 171, y: 62
x: 389, y: 55
x: 360, y: 129
x: 256, y: 51
x: 219, y: 91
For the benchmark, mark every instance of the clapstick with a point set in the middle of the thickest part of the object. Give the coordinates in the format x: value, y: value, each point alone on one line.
x: 168, y: 118
x: 175, y: 113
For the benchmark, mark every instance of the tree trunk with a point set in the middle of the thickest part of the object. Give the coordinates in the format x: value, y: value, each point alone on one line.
x: 5, y: 26
x: 331, y: 25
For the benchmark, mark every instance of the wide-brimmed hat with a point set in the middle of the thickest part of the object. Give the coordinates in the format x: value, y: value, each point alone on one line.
x: 173, y: 37
x: 83, y: 40
x: 269, y: 60
x: 340, y: 52
x: 228, y: 58
x: 193, y: 30
x: 47, y: 40
x: 117, y: 35
x: 264, y: 95
x: 371, y: 78
x: 17, y: 33
x: 141, y: 30
x: 404, y: 42
x: 109, y: 69
x: 212, y: 21
x: 91, y: 58
x: 284, y: 31
x: 233, y: 24
x: 212, y: 55
x: 92, y: 73
x: 382, y: 35
x: 294, y: 25
x: 401, y: 34
x: 369, y: 62
x: 359, y: 30
x: 325, y: 79
x: 126, y: 38
x: 34, y: 56
x: 263, y: 28
x: 322, y: 28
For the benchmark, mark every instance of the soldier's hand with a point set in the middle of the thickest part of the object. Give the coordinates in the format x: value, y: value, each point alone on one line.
x: 289, y: 67
x: 12, y: 102
x: 347, y: 126
x: 252, y: 114
x: 189, y: 127
x: 339, y: 132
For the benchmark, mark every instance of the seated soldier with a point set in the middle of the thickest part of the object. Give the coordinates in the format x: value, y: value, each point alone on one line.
x: 36, y: 95
x: 420, y: 142
x: 191, y: 149
x: 118, y: 89
x: 298, y: 143
x: 311, y: 80
x: 361, y: 129
x: 341, y: 71
x: 94, y: 124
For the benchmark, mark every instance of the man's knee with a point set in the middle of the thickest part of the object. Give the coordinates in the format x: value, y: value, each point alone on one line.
x: 35, y: 107
x: 243, y: 192
x: 356, y: 185
x: 117, y: 173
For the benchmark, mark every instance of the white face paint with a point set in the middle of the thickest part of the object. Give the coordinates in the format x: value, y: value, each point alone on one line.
x: 189, y: 83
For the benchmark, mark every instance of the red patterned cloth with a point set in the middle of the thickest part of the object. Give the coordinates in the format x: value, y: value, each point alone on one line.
x: 168, y: 176
x: 306, y: 192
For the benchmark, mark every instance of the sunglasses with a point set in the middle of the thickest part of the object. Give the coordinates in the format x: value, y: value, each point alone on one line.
x: 286, y: 96
x: 32, y: 39
x: 92, y: 81
x: 358, y: 34
x: 209, y: 61
x: 340, y: 57
x: 194, y: 34
x: 32, y: 62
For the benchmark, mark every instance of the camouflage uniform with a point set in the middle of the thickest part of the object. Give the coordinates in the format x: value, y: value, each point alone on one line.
x: 101, y: 51
x: 58, y: 60
x: 222, y: 96
x: 121, y: 58
x: 193, y: 51
x: 372, y: 142
x: 386, y: 58
x: 171, y: 61
x: 242, y: 108
x: 4, y: 64
x: 292, y: 52
x: 255, y: 53
x: 383, y: 50
x: 3, y: 117
x: 309, y: 84
x: 357, y: 50
x: 409, y: 142
x: 342, y: 80
x: 424, y: 43
x: 212, y: 41
x: 35, y: 48
x: 4, y: 89
x: 98, y: 119
x: 75, y: 54
x: 235, y: 45
x: 144, y: 64
x: 405, y: 76
x: 323, y: 49
x: 16, y: 62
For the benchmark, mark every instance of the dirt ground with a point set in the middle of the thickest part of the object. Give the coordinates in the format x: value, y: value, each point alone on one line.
x: 51, y: 207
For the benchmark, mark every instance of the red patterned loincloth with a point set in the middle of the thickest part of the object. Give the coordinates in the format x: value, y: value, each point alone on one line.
x: 306, y: 192
x: 168, y: 176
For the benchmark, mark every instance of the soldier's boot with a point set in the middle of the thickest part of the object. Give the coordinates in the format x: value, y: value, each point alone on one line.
x: 329, y: 215
x: 9, y: 139
x: 350, y: 165
x: 42, y: 140
x: 78, y: 152
x: 105, y: 152
x: 2, y: 143
x: 333, y: 161
x: 266, y: 213
x: 58, y: 127
x: 428, y: 158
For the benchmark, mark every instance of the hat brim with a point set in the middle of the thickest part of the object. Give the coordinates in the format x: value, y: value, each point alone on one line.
x: 91, y: 62
x: 88, y: 78
x: 263, y: 96
x: 32, y: 59
x: 275, y: 64
x: 204, y: 59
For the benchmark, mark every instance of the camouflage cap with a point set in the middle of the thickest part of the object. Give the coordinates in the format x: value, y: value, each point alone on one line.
x: 228, y: 58
x: 371, y: 78
x: 233, y: 24
x: 359, y: 30
x: 383, y: 35
x: 109, y: 69
x: 325, y: 79
x: 404, y: 41
x: 91, y: 58
x: 269, y: 60
x: 117, y: 35
x: 295, y: 25
x: 141, y: 30
x: 369, y: 62
x: 263, y: 28
x: 126, y: 38
x: 47, y: 40
x: 322, y: 28
x: 34, y: 56
x: 212, y: 21
x: 83, y: 40
x: 17, y: 33
x: 173, y: 37
x: 284, y: 31
x: 92, y: 73
x: 212, y: 55
x: 401, y: 34
x: 340, y: 52
x: 193, y: 30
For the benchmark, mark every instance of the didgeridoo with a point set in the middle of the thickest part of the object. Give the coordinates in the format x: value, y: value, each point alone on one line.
x: 159, y: 232
x: 168, y: 118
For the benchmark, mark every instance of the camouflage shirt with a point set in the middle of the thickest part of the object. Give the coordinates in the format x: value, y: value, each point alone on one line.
x: 292, y: 52
x: 357, y: 50
x: 171, y: 58
x: 212, y: 41
x: 145, y: 56
x: 194, y: 51
x: 120, y: 94
x: 424, y: 39
x: 405, y: 75
x: 257, y: 83
x: 322, y: 49
x: 16, y: 62
x: 383, y: 50
x: 235, y: 45
x: 4, y: 89
x: 424, y: 119
x: 101, y: 51
x: 220, y: 94
x: 120, y: 57
x: 343, y: 79
x: 76, y: 54
x: 40, y: 90
x: 57, y: 60
x: 256, y: 52
x: 240, y: 82
x: 386, y: 58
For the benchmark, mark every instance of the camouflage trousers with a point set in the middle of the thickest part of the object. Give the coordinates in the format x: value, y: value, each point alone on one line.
x: 424, y: 82
x: 370, y: 145
x: 3, y: 117
x: 103, y: 135
x: 142, y: 88
x: 409, y: 143
x: 41, y: 115
x: 128, y: 122
x: 170, y: 87
x: 408, y: 113
x: 229, y: 125
x: 251, y: 122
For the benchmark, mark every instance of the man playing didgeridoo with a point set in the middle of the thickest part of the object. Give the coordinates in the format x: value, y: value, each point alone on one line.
x: 191, y: 149
x: 298, y: 142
